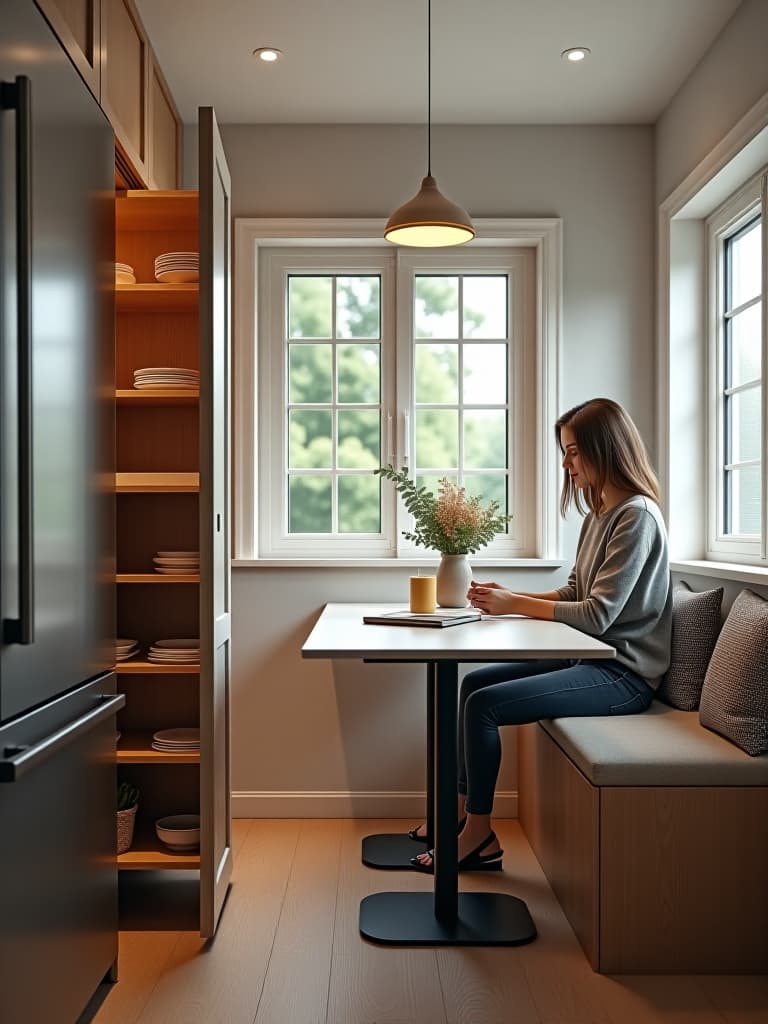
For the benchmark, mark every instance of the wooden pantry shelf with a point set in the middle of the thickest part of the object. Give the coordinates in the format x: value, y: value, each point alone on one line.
x: 168, y: 396
x: 160, y: 483
x: 136, y: 668
x: 136, y: 748
x: 147, y: 853
x: 153, y: 577
x: 139, y: 210
x: 154, y: 298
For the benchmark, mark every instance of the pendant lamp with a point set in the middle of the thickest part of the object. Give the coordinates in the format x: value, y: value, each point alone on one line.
x: 429, y: 219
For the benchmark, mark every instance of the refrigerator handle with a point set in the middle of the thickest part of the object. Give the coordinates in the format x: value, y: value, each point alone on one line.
x: 17, y: 96
x: 16, y: 761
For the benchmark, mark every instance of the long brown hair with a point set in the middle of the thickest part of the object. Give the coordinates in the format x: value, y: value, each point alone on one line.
x: 610, y: 444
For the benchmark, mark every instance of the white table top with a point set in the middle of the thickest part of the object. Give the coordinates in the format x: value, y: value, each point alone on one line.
x: 341, y: 633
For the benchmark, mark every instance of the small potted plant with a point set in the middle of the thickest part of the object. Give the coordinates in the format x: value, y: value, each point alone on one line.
x: 450, y: 522
x: 127, y: 802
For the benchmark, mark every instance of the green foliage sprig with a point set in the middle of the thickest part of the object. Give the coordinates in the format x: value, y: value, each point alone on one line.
x: 127, y: 796
x: 450, y: 523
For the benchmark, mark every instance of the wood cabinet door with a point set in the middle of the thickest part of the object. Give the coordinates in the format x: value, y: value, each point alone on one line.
x: 164, y: 133
x: 215, y: 657
x: 125, y: 79
x: 77, y: 23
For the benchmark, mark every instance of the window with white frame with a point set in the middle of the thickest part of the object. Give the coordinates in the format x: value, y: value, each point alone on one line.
x: 373, y: 355
x: 736, y: 520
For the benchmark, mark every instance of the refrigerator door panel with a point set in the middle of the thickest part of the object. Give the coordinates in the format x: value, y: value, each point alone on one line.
x: 58, y: 903
x: 71, y: 169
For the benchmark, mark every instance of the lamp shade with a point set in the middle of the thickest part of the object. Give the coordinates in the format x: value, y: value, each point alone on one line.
x: 429, y: 219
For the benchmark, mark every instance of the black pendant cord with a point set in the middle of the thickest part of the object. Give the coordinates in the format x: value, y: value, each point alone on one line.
x: 429, y: 87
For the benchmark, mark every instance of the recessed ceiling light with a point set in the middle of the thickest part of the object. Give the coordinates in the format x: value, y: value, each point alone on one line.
x: 268, y: 54
x: 576, y: 53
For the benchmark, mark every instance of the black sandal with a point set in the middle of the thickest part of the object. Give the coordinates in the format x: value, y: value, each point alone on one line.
x: 413, y: 833
x: 474, y: 861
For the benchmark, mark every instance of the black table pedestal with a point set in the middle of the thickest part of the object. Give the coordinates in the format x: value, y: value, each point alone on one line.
x: 483, y: 919
x: 391, y: 851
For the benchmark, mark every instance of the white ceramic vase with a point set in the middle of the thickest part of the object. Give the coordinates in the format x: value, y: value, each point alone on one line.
x: 453, y: 578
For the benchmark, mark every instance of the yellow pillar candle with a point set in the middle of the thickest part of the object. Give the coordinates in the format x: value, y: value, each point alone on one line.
x: 423, y: 594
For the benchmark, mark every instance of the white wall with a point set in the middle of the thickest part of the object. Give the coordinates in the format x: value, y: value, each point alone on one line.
x: 312, y: 727
x: 727, y: 81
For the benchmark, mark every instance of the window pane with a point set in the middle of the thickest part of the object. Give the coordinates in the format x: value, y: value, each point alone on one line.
x: 485, y: 439
x: 744, y: 408
x: 485, y: 374
x: 309, y: 504
x: 309, y: 444
x: 437, y: 374
x: 437, y: 438
x: 745, y: 345
x: 485, y: 306
x: 359, y: 439
x: 745, y: 266
x: 744, y: 494
x: 309, y: 307
x: 360, y: 504
x: 431, y: 480
x: 488, y: 487
x: 309, y: 373
x: 359, y: 373
x: 436, y: 307
x: 358, y: 307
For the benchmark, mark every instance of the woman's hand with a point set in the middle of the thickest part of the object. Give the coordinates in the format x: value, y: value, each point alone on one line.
x: 490, y: 598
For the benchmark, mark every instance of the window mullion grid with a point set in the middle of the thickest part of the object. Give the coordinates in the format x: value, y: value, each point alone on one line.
x: 460, y: 385
x: 727, y: 324
x: 334, y: 412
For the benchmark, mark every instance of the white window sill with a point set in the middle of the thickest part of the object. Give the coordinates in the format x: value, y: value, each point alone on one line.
x: 756, y: 574
x: 391, y: 563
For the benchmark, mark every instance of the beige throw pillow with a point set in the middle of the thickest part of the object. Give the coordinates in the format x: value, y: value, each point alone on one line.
x: 734, y: 700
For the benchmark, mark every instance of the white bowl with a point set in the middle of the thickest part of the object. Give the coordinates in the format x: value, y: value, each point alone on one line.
x: 179, y: 831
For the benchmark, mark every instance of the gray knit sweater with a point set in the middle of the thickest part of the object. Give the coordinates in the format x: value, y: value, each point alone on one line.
x: 620, y: 588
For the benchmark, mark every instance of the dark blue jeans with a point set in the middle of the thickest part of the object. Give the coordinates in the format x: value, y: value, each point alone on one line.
x: 517, y: 692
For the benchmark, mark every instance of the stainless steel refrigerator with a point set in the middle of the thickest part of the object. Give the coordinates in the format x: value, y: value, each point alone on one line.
x: 58, y: 874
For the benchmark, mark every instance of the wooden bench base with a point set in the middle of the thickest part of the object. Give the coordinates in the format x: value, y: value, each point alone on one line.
x: 654, y: 880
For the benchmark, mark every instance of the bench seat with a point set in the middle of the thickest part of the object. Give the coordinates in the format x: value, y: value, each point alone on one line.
x: 653, y: 833
x: 661, y: 747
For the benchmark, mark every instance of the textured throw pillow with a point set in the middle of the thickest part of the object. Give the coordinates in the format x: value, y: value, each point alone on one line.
x: 734, y: 701
x: 695, y: 626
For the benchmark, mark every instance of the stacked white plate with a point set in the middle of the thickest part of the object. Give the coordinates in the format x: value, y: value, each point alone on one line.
x: 177, y: 267
x: 158, y: 377
x: 176, y: 740
x: 177, y: 563
x: 126, y: 649
x: 124, y: 274
x: 175, y: 652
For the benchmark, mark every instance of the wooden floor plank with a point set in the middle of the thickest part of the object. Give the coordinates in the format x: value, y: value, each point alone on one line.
x: 741, y: 999
x: 656, y: 999
x: 372, y: 984
x: 288, y: 947
x: 221, y: 980
x: 305, y: 932
x: 142, y: 961
x: 558, y: 974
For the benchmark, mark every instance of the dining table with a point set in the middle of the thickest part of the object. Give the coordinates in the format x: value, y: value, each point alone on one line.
x: 446, y: 916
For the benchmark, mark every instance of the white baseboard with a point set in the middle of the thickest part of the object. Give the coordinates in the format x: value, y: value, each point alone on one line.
x: 345, y: 804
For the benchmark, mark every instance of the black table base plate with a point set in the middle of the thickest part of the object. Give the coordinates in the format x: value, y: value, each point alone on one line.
x: 408, y: 919
x: 391, y: 852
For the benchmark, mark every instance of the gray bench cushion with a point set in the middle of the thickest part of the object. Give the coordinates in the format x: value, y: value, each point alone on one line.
x: 660, y: 747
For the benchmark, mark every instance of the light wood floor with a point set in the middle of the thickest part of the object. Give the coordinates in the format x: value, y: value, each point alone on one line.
x: 288, y: 951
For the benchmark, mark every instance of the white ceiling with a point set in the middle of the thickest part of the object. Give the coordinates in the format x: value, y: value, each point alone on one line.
x: 493, y: 61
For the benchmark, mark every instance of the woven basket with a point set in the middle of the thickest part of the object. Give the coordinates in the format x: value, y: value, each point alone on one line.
x: 125, y: 822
